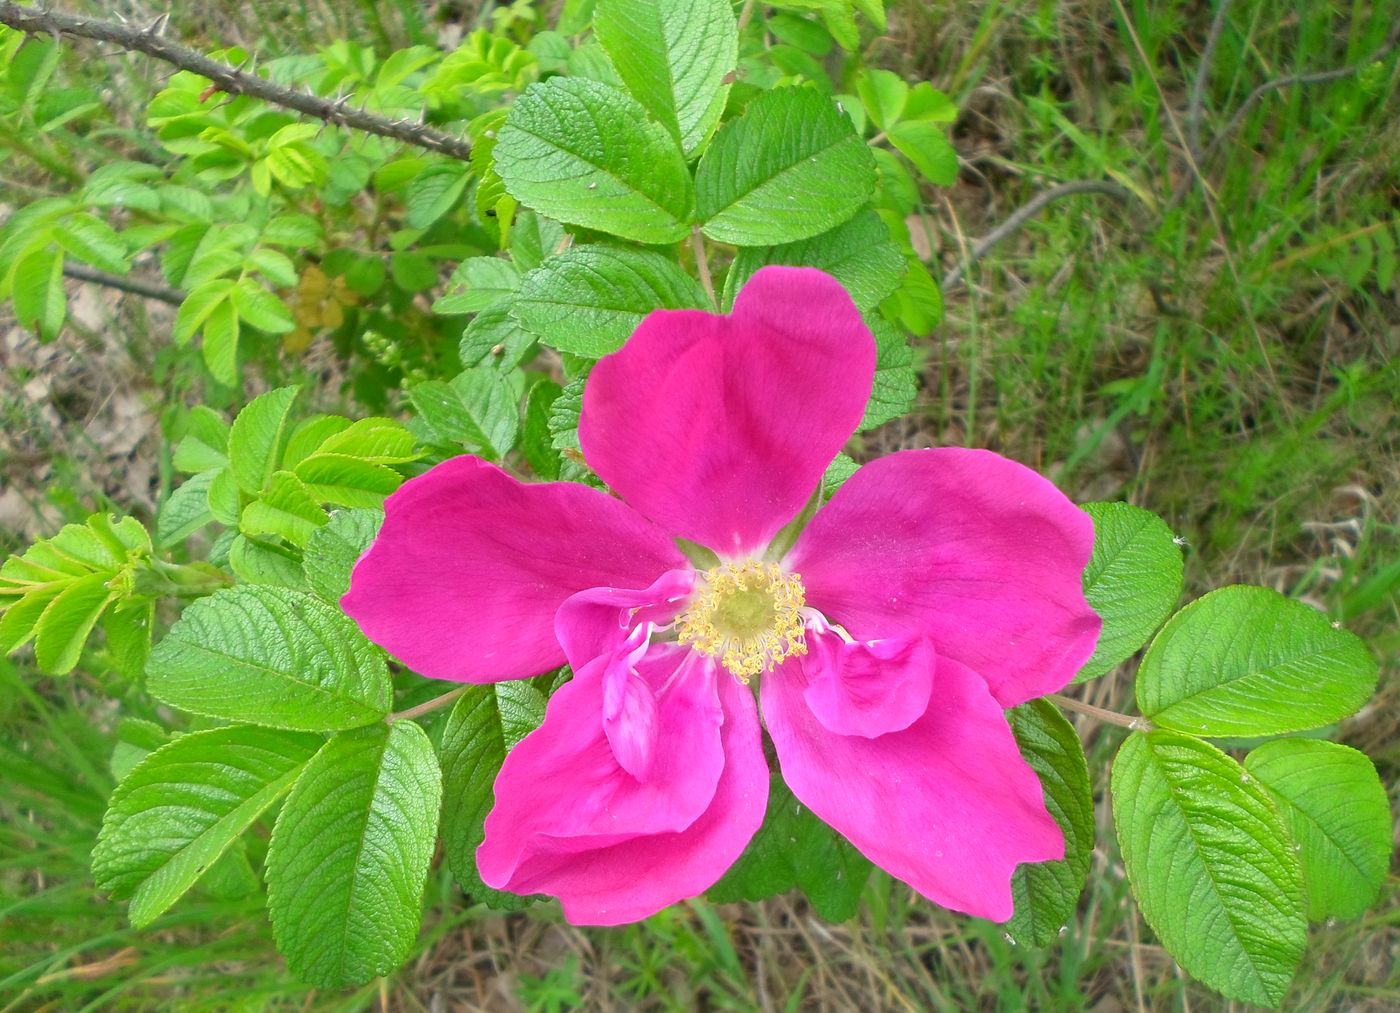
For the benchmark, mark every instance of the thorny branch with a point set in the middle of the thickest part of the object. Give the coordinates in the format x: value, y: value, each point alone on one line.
x: 132, y: 285
x: 226, y: 78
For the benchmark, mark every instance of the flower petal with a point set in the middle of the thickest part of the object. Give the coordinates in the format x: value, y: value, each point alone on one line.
x: 718, y: 428
x: 569, y: 823
x: 471, y: 565
x: 978, y: 551
x: 947, y: 805
x: 598, y: 620
x: 868, y: 689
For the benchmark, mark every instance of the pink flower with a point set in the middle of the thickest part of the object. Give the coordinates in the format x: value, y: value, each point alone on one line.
x: 933, y: 590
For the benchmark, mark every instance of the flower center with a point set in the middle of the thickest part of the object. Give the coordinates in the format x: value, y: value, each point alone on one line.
x: 748, y: 615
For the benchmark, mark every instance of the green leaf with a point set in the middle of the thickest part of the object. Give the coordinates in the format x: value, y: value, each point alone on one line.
x: 182, y: 806
x: 335, y: 549
x: 275, y: 267
x: 476, y: 409
x: 260, y: 308
x: 895, y: 384
x: 287, y: 509
x: 673, y: 56
x: 1047, y: 893
x: 769, y: 176
x: 308, y: 436
x: 412, y: 271
x: 1338, y: 815
x: 68, y: 619
x: 536, y: 441
x: 39, y: 300
x: 927, y: 146
x: 837, y: 473
x: 1132, y: 581
x: 589, y: 299
x: 1210, y: 863
x: 225, y: 503
x: 496, y: 339
x: 348, y: 481
x: 435, y: 191
x: 476, y: 284
x: 794, y: 850
x: 270, y: 656
x: 292, y: 229
x: 378, y: 440
x: 1249, y: 661
x: 255, y: 442
x: 486, y: 722
x: 859, y: 254
x: 197, y: 307
x: 184, y: 511
x: 587, y: 154
x: 883, y: 93
x: 255, y: 561
x: 221, y: 343
x: 533, y: 239
x: 350, y: 852
x: 93, y: 241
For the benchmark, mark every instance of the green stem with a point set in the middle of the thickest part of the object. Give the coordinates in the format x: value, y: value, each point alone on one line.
x: 1131, y: 721
x: 427, y: 707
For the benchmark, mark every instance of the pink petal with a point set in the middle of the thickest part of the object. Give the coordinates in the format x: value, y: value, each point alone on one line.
x: 471, y: 565
x: 871, y: 688
x: 947, y: 805
x: 630, y: 718
x: 718, y: 428
x: 569, y: 823
x: 598, y: 620
x: 979, y: 552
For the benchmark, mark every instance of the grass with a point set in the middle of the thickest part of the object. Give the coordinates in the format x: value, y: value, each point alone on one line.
x: 1221, y: 348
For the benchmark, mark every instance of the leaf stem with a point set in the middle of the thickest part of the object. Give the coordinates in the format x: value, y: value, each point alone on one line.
x: 702, y: 265
x: 1131, y: 721
x: 427, y: 707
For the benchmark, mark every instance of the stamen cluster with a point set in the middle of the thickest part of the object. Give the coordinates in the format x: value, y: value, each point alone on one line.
x: 748, y: 615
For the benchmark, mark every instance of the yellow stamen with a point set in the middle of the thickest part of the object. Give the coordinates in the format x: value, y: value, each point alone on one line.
x: 747, y: 615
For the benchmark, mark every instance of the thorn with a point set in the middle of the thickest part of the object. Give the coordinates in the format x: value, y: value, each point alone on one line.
x: 157, y: 27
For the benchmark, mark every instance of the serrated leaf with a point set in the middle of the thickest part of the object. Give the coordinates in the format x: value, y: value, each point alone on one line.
x: 435, y: 191
x: 308, y: 436
x: 1338, y: 815
x: 533, y: 239
x: 1132, y: 581
x: 1210, y: 864
x: 184, y: 511
x: 587, y: 154
x: 37, y: 293
x: 67, y: 621
x: 476, y: 409
x: 93, y: 241
x: 589, y: 299
x: 256, y: 561
x: 1250, y: 661
x: 260, y: 308
x: 335, y: 549
x: 495, y: 339
x: 859, y: 254
x: 794, y: 850
x: 182, y: 807
x: 350, y: 852
x: 838, y: 471
x: 197, y: 307
x: 883, y: 93
x: 378, y: 440
x: 286, y: 509
x: 767, y: 177
x: 276, y: 267
x: 1046, y: 893
x: 895, y: 384
x: 536, y: 441
x: 673, y: 56
x: 477, y: 283
x: 220, y: 348
x: 348, y: 481
x: 485, y: 723
x: 292, y: 229
x: 255, y: 441
x: 270, y: 656
x: 926, y: 144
